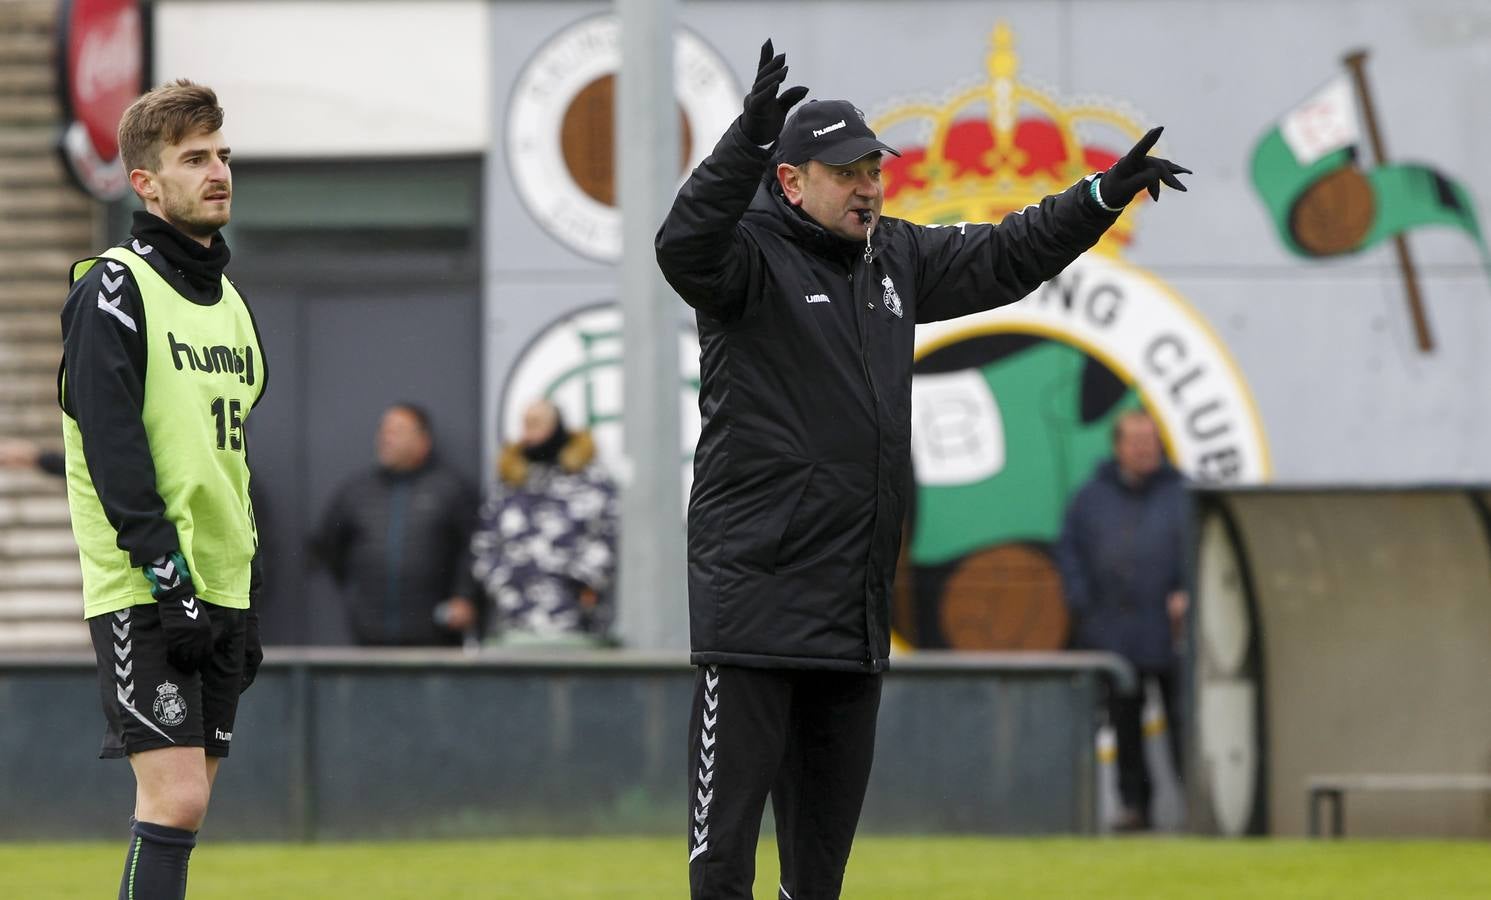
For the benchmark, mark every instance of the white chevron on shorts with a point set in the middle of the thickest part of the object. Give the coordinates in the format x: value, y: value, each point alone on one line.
x: 705, y: 792
x: 124, y: 689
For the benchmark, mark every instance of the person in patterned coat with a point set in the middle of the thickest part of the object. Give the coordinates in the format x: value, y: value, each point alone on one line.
x: 545, y: 547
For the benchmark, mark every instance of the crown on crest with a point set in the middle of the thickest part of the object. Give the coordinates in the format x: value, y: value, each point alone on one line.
x: 997, y: 147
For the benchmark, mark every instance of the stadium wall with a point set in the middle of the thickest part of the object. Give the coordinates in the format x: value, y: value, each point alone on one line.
x: 356, y: 745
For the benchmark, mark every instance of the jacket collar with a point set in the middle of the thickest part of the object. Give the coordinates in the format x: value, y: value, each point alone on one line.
x: 1108, y: 471
x: 770, y: 209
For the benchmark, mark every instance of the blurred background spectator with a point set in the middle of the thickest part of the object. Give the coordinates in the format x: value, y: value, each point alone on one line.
x: 22, y: 454
x: 545, y: 548
x: 1121, y: 556
x: 395, y: 540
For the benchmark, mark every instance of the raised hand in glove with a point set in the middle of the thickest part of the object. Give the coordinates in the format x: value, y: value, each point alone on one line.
x: 183, y: 618
x: 765, y: 112
x: 253, y: 649
x: 1138, y: 171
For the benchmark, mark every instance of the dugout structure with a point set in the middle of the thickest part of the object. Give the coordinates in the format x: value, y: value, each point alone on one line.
x: 1340, y: 631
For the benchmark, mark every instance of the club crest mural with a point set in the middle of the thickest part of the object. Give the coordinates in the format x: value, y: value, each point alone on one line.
x: 1013, y: 409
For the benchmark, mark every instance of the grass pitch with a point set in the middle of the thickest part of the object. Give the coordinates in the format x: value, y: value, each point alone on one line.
x: 881, y: 869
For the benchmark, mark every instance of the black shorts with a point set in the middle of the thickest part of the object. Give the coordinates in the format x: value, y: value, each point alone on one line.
x: 148, y: 703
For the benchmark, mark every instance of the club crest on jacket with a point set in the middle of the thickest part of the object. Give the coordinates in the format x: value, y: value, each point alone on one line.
x: 891, y: 299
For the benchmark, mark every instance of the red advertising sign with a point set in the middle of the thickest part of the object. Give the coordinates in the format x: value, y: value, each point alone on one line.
x: 101, y: 62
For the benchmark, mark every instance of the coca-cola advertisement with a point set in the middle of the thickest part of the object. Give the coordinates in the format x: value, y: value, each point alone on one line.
x: 102, y: 68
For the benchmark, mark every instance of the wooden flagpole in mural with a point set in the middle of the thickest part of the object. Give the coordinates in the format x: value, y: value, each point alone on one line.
x: 1356, y: 61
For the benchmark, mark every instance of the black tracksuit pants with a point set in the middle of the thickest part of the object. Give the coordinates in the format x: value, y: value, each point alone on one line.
x: 806, y: 738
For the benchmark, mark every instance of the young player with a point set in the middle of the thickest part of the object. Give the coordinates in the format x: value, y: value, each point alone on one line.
x: 161, y: 365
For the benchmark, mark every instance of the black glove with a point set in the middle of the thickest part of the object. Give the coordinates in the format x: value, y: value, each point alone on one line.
x: 253, y: 649
x: 1137, y: 172
x: 765, y: 112
x: 183, y: 618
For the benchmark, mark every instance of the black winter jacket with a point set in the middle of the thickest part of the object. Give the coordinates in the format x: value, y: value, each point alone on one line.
x: 803, y: 467
x: 398, y: 544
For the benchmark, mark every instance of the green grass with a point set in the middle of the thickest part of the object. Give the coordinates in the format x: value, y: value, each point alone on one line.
x: 881, y: 869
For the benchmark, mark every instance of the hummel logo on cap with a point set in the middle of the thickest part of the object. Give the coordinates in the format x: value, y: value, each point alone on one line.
x: 831, y: 131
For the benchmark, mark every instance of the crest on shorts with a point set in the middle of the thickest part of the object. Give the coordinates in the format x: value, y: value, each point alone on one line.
x: 891, y: 299
x: 170, y: 706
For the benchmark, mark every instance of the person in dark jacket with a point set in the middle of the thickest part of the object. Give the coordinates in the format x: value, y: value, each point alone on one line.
x: 1121, y: 555
x: 396, y: 540
x: 806, y: 300
x: 16, y: 453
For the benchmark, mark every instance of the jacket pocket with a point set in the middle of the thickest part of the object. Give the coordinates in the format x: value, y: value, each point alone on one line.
x: 764, y: 512
x: 826, y: 522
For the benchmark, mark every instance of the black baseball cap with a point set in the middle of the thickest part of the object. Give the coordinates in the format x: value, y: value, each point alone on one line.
x: 831, y: 131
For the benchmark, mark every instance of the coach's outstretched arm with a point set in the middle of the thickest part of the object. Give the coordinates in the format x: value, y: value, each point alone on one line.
x: 698, y: 248
x: 969, y: 268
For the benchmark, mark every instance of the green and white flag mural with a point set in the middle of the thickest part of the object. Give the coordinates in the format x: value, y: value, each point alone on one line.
x: 1307, y: 172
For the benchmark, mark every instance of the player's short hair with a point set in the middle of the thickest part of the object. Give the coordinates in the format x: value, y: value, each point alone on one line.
x: 166, y: 115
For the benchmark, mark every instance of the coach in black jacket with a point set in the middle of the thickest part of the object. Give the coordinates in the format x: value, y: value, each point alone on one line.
x: 806, y: 302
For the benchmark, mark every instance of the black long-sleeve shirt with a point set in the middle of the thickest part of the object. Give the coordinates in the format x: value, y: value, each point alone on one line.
x: 101, y: 383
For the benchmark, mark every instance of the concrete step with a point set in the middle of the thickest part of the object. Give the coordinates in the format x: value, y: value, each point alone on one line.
x: 28, y: 16
x: 27, y: 482
x: 50, y: 512
x: 46, y: 635
x: 20, y: 78
x: 34, y: 429
x: 26, y: 46
x: 26, y: 387
x: 27, y: 140
x: 45, y: 233
x: 61, y: 202
x: 49, y: 265
x: 30, y: 172
x: 29, y: 109
x: 40, y: 604
x: 32, y: 292
x: 29, y: 326
x: 45, y: 572
x: 41, y: 543
x: 31, y: 419
x: 46, y: 435
x: 34, y: 358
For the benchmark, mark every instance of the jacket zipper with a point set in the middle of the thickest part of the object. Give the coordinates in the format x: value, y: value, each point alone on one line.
x: 864, y: 342
x: 864, y: 362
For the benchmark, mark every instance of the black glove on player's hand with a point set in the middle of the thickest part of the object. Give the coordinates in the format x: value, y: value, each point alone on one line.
x: 765, y: 112
x: 1137, y: 172
x: 183, y: 618
x: 253, y: 649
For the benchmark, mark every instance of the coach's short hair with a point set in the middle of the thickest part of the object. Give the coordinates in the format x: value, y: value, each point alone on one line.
x: 166, y: 115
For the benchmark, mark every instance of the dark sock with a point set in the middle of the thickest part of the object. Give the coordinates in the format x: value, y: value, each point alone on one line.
x: 155, y: 867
